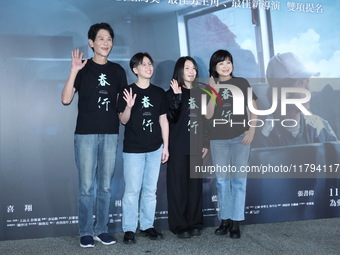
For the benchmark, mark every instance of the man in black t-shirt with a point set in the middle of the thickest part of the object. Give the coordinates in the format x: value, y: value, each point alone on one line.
x: 98, y: 83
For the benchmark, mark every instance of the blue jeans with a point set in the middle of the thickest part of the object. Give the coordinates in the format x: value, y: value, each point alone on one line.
x: 231, y: 186
x: 141, y: 171
x: 95, y: 158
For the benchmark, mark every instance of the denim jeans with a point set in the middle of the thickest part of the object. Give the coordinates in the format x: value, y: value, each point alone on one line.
x: 141, y: 171
x: 95, y: 159
x: 231, y: 186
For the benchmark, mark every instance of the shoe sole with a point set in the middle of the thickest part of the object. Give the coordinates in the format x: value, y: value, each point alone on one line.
x: 221, y: 233
x: 155, y: 238
x: 129, y: 242
x: 99, y: 240
x: 87, y: 246
x: 195, y: 234
x: 152, y: 237
x: 184, y: 237
x: 160, y: 237
x: 235, y: 236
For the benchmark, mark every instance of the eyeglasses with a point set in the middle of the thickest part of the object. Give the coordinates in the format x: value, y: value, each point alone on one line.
x: 144, y: 64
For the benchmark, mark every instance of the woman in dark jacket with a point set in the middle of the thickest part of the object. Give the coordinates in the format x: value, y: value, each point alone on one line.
x: 186, y: 151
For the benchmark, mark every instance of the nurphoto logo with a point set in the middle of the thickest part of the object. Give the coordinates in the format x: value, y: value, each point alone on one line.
x: 238, y: 99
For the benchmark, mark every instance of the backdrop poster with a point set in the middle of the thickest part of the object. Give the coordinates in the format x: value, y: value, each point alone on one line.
x: 38, y: 177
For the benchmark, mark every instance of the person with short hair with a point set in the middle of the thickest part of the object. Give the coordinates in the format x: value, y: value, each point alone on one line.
x: 229, y: 143
x: 143, y: 109
x: 98, y: 83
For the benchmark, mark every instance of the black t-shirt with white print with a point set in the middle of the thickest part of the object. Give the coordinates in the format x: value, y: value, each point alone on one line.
x: 143, y: 131
x: 224, y: 124
x: 98, y: 87
x: 187, y: 124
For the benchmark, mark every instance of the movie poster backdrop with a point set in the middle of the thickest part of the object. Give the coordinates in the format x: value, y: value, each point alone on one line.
x: 38, y: 176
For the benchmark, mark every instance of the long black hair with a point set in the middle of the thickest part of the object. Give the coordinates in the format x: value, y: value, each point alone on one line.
x: 179, y: 69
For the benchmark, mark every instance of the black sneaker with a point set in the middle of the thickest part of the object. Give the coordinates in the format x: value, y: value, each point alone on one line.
x: 86, y: 242
x: 235, y: 230
x: 183, y: 235
x: 195, y: 232
x: 223, y: 228
x: 152, y: 233
x: 129, y: 237
x: 105, y: 239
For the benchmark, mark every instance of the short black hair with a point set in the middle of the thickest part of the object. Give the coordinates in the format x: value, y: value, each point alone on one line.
x: 93, y: 31
x: 179, y: 69
x: 137, y: 59
x: 217, y: 57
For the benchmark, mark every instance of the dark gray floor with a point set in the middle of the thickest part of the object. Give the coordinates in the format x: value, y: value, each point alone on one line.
x: 300, y: 237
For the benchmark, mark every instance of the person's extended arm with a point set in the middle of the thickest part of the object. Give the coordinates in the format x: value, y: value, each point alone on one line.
x: 77, y: 64
x: 130, y: 101
x: 249, y: 134
x: 163, y: 121
x: 174, y: 101
x: 211, y: 103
